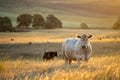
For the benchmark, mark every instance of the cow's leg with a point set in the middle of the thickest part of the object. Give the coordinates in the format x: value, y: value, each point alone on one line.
x: 46, y: 60
x: 86, y: 60
x: 78, y: 61
x: 52, y: 58
x: 66, y: 61
x: 43, y: 59
x: 70, y: 61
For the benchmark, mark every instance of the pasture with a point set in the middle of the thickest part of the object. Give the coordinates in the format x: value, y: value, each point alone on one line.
x: 21, y: 56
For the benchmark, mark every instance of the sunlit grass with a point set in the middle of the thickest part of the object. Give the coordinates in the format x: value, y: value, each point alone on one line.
x: 98, y: 68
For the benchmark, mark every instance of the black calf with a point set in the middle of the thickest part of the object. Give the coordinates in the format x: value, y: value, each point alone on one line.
x: 49, y: 55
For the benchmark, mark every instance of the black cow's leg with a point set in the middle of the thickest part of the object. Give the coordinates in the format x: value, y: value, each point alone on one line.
x: 70, y: 61
x: 46, y: 60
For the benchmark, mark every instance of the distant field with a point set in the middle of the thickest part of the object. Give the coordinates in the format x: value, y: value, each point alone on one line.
x: 20, y: 60
x: 54, y: 35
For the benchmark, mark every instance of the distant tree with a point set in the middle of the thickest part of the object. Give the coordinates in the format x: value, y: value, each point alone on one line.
x: 24, y: 20
x: 48, y: 25
x: 5, y: 24
x: 116, y: 25
x: 54, y: 21
x: 84, y: 26
x: 38, y: 21
x: 1, y: 23
x: 8, y: 24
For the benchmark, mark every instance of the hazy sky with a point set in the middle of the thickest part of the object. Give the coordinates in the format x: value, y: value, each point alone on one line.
x: 93, y: 8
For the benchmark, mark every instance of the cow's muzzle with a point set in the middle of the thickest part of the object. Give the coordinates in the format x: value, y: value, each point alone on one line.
x: 83, y: 47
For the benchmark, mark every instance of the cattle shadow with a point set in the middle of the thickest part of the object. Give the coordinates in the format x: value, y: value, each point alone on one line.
x: 36, y: 50
x: 27, y: 51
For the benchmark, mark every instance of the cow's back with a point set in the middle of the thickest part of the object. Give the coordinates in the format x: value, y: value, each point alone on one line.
x: 70, y: 43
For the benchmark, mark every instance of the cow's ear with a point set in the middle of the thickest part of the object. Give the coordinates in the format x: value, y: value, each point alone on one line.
x: 89, y: 36
x: 78, y: 36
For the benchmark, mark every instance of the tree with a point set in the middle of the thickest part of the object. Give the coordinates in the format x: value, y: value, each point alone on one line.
x: 116, y: 25
x: 84, y: 26
x: 48, y: 25
x: 5, y: 24
x: 1, y: 23
x: 24, y: 20
x: 54, y: 21
x: 38, y: 21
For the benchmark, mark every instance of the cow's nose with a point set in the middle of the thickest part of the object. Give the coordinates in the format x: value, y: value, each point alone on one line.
x: 83, y: 47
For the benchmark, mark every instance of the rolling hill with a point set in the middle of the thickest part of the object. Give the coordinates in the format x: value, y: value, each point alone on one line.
x: 96, y: 13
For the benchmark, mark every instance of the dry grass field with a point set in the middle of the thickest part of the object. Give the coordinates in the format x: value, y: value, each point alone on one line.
x: 20, y: 60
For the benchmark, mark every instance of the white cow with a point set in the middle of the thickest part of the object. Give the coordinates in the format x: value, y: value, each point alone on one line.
x: 77, y: 49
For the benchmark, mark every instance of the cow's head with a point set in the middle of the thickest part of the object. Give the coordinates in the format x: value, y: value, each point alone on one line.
x: 55, y: 53
x: 84, y: 40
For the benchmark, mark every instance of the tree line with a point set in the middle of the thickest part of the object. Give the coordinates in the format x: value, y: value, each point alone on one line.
x: 25, y: 21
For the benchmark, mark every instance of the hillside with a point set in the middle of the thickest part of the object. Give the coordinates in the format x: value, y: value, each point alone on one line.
x: 97, y: 13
